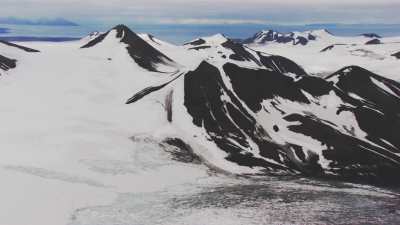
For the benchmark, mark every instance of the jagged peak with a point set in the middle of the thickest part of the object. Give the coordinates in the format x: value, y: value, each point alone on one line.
x: 123, y: 31
x: 121, y: 27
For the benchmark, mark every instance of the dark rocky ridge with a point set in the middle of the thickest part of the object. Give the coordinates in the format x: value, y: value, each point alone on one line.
x: 7, y: 63
x: 397, y: 55
x: 281, y: 64
x: 141, y: 52
x: 19, y: 46
x: 373, y: 42
x: 200, y: 47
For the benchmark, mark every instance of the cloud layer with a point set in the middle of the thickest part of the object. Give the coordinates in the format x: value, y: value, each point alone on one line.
x: 208, y: 11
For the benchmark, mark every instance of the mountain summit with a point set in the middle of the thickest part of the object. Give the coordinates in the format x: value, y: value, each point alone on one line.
x: 141, y: 52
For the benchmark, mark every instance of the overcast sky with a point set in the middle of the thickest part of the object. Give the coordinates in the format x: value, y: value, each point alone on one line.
x: 208, y: 11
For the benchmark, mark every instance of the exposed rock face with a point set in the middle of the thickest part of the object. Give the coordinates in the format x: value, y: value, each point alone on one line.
x: 397, y: 55
x: 18, y: 46
x: 7, y: 63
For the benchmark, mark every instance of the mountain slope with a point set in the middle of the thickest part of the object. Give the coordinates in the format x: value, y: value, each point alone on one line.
x: 284, y: 121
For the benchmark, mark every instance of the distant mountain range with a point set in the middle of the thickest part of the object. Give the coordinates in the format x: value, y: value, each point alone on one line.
x: 42, y: 21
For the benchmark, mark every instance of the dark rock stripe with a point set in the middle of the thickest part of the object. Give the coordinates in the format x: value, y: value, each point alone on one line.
x: 19, y: 46
x: 149, y: 90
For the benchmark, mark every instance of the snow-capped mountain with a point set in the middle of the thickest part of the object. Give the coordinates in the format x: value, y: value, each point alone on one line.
x: 266, y: 113
x: 140, y: 51
x: 306, y: 38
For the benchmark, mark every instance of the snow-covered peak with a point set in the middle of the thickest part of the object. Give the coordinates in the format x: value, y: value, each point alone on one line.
x: 295, y: 38
x: 143, y: 53
x: 122, y: 30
